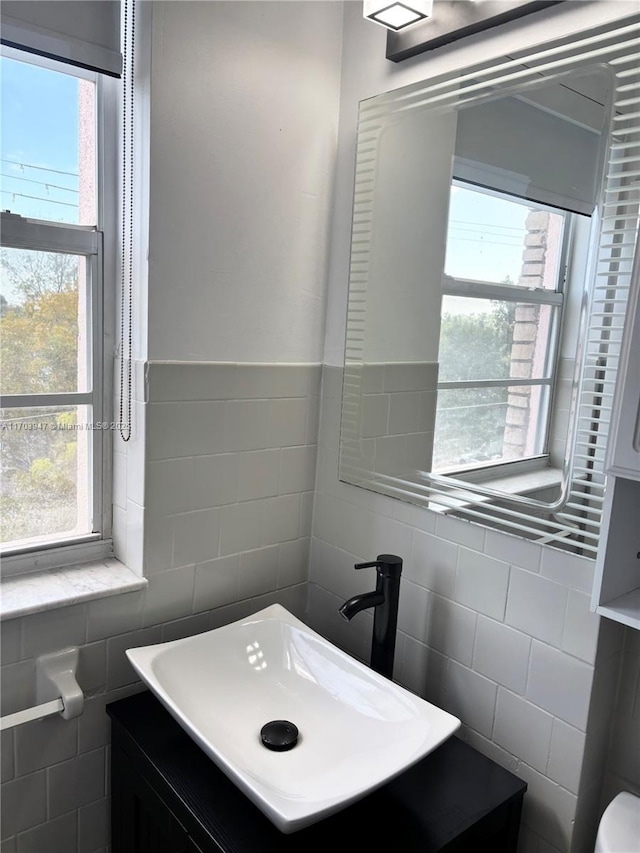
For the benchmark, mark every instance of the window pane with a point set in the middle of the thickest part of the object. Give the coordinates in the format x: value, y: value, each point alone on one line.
x: 488, y: 425
x: 48, y: 142
x: 44, y: 473
x: 492, y: 339
x: 43, y: 323
x: 493, y: 239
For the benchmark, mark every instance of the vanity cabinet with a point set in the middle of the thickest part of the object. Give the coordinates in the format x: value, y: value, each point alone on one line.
x: 616, y: 590
x: 167, y: 796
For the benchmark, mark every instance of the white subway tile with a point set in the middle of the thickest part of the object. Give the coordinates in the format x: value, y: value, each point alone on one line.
x: 580, y: 635
x: 136, y: 461
x: 18, y: 686
x: 460, y: 531
x: 184, y: 429
x: 549, y: 810
x: 158, y: 543
x: 169, y: 595
x: 536, y: 606
x: 432, y: 563
x: 119, y: 670
x: 413, y: 610
x: 216, y: 583
x: 307, y: 501
x: 7, y: 769
x: 451, y: 629
x: 512, y: 549
x: 258, y: 572
x: 10, y: 640
x: 134, y: 547
x: 58, y: 834
x: 567, y: 569
x: 52, y: 630
x: 374, y: 415
x: 242, y: 527
x: 293, y: 562
x: 560, y: 684
x: 281, y: 519
x: 258, y: 474
x: 76, y: 782
x: 502, y: 654
x: 287, y: 423
x: 298, y: 469
x: 523, y: 729
x: 188, y: 381
x: 421, y: 670
x: 93, y: 826
x: 246, y: 425
x: 196, y: 536
x: 188, y: 626
x: 114, y: 615
x: 470, y: 697
x: 44, y: 742
x: 196, y: 482
x: 120, y: 479
x: 565, y: 755
x: 94, y: 730
x: 24, y: 803
x: 422, y: 519
x: 481, y: 583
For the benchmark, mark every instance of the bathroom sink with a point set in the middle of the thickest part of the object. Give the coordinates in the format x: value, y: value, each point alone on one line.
x: 355, y: 728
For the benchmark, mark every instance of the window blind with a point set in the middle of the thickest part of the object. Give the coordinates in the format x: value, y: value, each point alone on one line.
x: 83, y: 33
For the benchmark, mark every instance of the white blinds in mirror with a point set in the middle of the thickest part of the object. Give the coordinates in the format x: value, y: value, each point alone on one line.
x: 573, y: 521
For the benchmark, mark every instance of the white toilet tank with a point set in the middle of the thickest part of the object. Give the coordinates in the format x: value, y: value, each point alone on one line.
x: 619, y: 830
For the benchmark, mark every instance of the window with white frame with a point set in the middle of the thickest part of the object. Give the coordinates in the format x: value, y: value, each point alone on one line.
x: 501, y: 322
x: 55, y: 418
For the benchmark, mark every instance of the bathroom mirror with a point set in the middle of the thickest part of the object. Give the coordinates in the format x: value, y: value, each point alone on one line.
x: 494, y: 229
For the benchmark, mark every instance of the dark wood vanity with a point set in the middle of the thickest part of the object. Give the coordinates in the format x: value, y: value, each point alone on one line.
x: 169, y: 797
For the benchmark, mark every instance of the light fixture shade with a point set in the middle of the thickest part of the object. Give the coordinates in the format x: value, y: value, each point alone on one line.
x: 396, y: 15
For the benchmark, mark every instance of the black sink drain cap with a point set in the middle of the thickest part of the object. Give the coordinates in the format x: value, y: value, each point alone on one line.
x: 279, y: 735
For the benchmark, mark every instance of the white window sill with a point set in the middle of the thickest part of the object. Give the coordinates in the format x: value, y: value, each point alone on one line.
x: 24, y: 594
x: 525, y: 483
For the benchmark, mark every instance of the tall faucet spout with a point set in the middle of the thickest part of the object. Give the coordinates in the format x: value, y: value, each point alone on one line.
x: 360, y: 602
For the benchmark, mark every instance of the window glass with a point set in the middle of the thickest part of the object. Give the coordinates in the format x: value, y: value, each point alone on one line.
x: 482, y: 426
x: 48, y: 143
x: 494, y: 239
x: 44, y: 464
x: 43, y: 322
x: 494, y: 339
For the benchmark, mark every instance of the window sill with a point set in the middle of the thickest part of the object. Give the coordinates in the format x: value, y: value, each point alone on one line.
x: 522, y: 484
x: 53, y: 588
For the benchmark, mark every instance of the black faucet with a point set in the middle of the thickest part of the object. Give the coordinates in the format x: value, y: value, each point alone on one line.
x: 385, y: 601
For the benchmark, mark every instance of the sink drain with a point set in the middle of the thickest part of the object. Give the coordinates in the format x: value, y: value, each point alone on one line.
x: 279, y: 735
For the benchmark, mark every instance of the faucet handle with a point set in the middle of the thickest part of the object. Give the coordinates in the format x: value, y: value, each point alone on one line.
x: 387, y: 564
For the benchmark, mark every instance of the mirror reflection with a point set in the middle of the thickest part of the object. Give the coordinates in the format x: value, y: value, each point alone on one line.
x: 472, y: 253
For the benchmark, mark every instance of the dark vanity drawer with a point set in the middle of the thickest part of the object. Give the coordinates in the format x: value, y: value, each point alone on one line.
x: 168, y: 797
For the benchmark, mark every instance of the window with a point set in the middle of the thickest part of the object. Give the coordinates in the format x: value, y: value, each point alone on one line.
x: 53, y: 411
x: 501, y: 320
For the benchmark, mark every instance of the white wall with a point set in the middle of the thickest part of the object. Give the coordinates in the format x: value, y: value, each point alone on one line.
x: 243, y: 135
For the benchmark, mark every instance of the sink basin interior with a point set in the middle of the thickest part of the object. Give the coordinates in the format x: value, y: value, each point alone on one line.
x: 356, y: 728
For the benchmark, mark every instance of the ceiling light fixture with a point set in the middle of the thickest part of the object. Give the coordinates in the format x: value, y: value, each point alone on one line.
x: 396, y: 15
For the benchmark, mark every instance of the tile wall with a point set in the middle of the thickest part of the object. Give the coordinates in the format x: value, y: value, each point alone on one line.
x: 493, y: 628
x: 225, y: 501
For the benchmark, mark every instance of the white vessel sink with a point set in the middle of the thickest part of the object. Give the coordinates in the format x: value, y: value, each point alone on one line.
x: 356, y: 728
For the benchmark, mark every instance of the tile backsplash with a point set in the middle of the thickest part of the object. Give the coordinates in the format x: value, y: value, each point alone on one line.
x: 213, y: 501
x: 493, y: 628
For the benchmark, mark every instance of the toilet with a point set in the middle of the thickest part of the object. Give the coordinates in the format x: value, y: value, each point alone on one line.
x: 619, y: 830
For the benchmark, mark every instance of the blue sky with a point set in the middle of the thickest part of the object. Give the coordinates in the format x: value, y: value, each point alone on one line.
x: 38, y: 141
